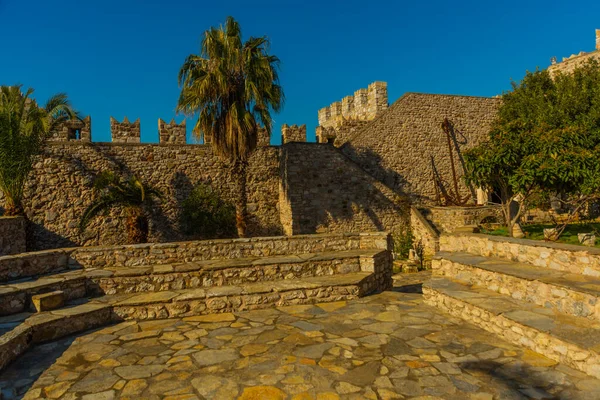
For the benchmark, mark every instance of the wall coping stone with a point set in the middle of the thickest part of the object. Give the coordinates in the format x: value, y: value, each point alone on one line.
x: 77, y: 143
x: 220, y: 241
x: 426, y: 224
x: 29, y: 254
x: 530, y: 242
x: 11, y: 217
x: 473, y: 207
x: 71, y: 252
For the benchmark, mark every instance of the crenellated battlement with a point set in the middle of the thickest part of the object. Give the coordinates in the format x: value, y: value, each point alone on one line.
x: 293, y: 133
x: 125, y: 132
x: 73, y: 130
x: 364, y: 105
x: 172, y: 132
x: 569, y: 64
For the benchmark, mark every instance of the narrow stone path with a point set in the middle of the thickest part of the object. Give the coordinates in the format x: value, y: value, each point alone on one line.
x: 385, y: 346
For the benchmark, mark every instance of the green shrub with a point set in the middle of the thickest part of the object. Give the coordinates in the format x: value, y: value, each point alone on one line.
x: 206, y: 215
x: 403, y: 242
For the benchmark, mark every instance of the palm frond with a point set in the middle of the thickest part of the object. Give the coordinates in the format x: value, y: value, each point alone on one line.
x: 112, y: 191
x: 231, y: 86
x: 24, y: 127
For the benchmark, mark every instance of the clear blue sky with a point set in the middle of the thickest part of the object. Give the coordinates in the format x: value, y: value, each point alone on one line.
x: 121, y: 57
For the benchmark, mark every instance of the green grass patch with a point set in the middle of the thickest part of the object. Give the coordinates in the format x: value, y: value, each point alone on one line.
x: 536, y: 232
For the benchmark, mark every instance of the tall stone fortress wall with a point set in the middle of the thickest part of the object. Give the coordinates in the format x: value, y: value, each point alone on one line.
x: 294, y: 188
x: 386, y: 159
x: 569, y: 64
x: 60, y: 186
x: 406, y: 145
x: 60, y: 189
x: 342, y: 118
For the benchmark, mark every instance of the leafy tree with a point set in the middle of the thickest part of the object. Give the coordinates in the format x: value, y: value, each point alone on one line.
x: 232, y: 86
x: 24, y: 127
x: 204, y: 213
x: 546, y: 139
x: 132, y: 194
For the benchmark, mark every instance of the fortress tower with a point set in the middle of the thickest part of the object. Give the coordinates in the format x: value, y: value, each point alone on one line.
x: 342, y: 118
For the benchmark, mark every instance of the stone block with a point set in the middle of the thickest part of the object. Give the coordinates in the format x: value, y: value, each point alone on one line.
x: 48, y: 301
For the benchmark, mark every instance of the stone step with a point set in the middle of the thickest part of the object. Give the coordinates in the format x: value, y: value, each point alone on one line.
x: 574, y: 341
x: 568, y: 293
x: 26, y: 329
x: 15, y: 296
x: 570, y: 258
x: 237, y: 271
x: 217, y: 299
x: 29, y: 330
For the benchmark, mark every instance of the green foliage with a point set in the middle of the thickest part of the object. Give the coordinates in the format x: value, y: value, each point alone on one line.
x: 232, y: 86
x: 205, y: 214
x: 403, y: 243
x: 546, y: 138
x: 24, y: 127
x: 569, y: 236
x: 110, y: 191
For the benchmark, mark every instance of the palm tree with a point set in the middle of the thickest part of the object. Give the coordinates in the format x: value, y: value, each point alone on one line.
x: 232, y: 87
x: 132, y: 194
x: 24, y: 127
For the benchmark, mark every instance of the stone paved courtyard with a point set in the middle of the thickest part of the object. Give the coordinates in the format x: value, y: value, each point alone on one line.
x: 386, y: 346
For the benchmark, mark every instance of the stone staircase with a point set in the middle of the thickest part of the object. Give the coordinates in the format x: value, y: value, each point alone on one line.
x: 91, y: 287
x: 545, y: 297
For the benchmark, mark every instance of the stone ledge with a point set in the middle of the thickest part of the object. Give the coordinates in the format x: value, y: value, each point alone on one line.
x: 48, y: 301
x: 531, y: 242
x: 15, y: 297
x: 570, y: 340
x: 188, y: 303
x: 555, y: 256
x: 576, y: 295
x: 39, y: 263
x: 49, y: 326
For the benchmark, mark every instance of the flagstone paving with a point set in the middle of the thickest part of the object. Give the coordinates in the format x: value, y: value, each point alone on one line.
x: 385, y: 346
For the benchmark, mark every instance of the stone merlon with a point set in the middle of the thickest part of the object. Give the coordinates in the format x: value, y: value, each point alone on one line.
x: 293, y: 133
x: 364, y: 105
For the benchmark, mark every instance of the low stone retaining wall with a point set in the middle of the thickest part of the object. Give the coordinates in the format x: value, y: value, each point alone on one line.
x: 447, y: 219
x: 517, y: 333
x: 33, y: 264
x: 187, y: 279
x: 550, y: 295
x: 12, y: 235
x: 224, y: 273
x: 48, y: 261
x: 166, y: 253
x: 423, y: 231
x: 215, y: 300
x: 562, y: 257
x: 46, y: 327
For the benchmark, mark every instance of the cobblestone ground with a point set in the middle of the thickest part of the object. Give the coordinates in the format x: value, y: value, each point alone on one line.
x: 386, y: 346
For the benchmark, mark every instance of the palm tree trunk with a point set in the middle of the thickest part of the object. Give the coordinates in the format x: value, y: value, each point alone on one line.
x: 137, y: 226
x: 241, y: 197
